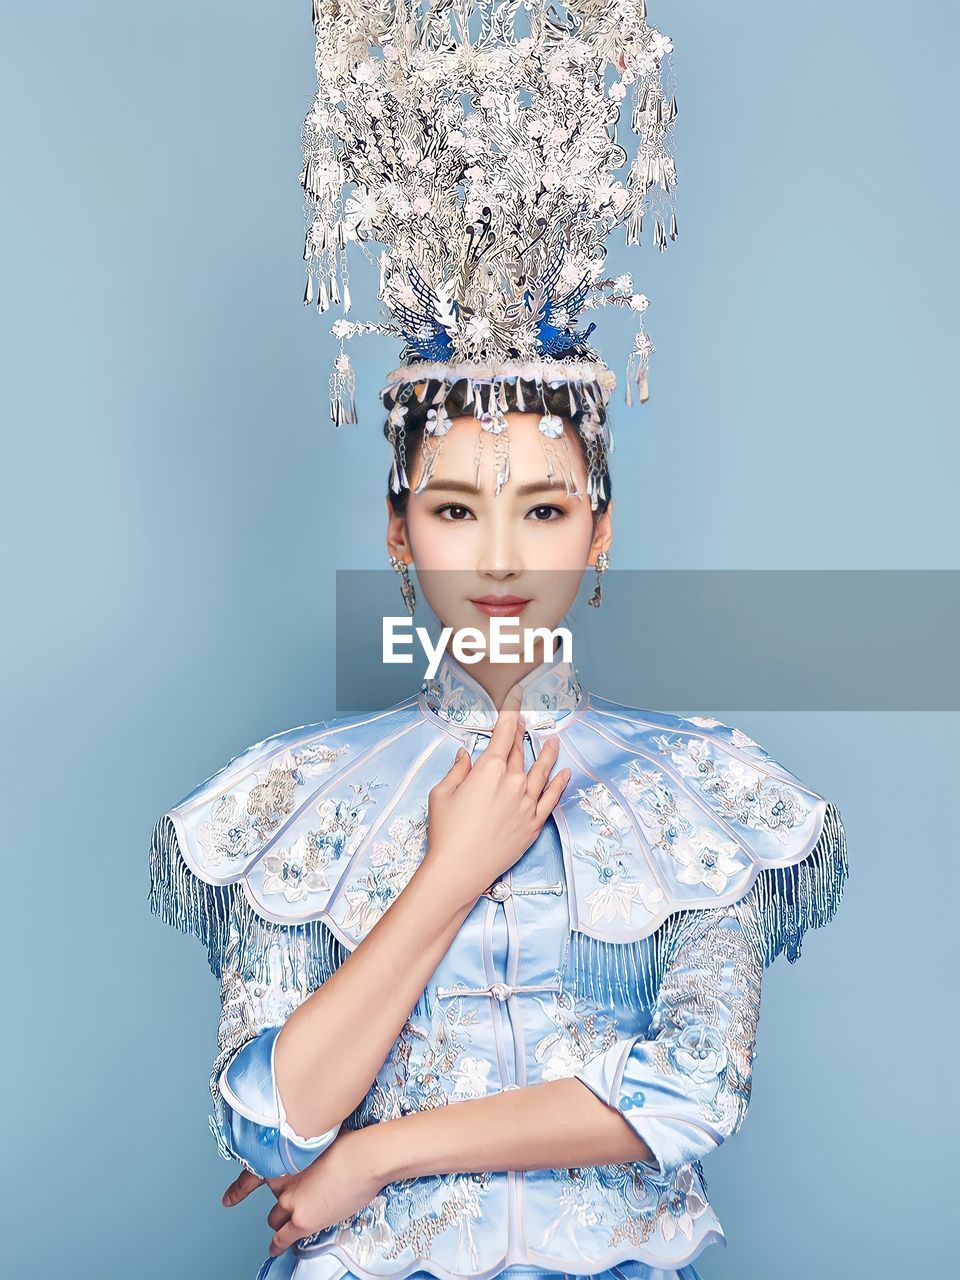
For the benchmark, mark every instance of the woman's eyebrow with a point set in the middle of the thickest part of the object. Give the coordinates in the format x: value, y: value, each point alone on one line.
x: 451, y: 486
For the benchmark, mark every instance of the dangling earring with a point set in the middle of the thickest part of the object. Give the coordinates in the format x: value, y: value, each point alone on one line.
x: 603, y: 564
x: 407, y: 589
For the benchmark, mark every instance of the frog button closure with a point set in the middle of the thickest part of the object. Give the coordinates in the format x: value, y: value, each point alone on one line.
x: 499, y: 891
x: 500, y: 991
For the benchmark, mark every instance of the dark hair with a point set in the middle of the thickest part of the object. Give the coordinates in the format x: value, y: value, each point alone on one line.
x: 533, y: 397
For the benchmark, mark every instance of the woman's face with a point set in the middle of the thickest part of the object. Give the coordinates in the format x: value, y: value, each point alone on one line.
x: 479, y: 554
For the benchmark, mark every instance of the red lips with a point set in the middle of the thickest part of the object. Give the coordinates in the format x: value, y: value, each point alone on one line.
x: 500, y: 606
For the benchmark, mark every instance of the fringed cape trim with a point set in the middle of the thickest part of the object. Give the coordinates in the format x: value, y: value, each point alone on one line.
x: 781, y: 905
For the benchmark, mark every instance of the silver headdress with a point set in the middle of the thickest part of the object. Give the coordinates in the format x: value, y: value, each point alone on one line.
x: 469, y: 148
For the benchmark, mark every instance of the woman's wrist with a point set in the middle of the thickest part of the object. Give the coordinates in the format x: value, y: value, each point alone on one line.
x: 445, y: 885
x: 376, y: 1153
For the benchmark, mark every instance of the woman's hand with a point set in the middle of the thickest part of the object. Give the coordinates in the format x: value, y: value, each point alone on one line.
x: 483, y: 815
x: 334, y: 1187
x: 241, y: 1187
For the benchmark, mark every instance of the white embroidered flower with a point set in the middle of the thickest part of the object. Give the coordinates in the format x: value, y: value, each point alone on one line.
x: 639, y: 302
x: 660, y: 44
x: 707, y: 858
x: 292, y: 874
x: 365, y: 72
x: 617, y: 91
x: 563, y: 1062
x: 738, y: 777
x: 474, y: 173
x: 421, y: 206
x: 455, y: 138
x: 372, y: 1236
x: 624, y: 283
x: 471, y: 1078
x: 684, y: 1205
x: 615, y: 901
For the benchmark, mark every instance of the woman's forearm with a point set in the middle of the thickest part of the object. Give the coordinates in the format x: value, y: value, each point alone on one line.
x: 559, y: 1124
x: 333, y: 1044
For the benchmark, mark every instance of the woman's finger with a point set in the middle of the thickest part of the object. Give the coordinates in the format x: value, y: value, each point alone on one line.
x: 515, y: 758
x: 278, y: 1216
x: 540, y: 769
x: 551, y: 794
x: 284, y: 1238
x: 501, y: 740
x: 455, y: 774
x: 240, y: 1188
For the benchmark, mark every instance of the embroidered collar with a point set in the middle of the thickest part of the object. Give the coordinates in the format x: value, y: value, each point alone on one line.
x: 551, y: 695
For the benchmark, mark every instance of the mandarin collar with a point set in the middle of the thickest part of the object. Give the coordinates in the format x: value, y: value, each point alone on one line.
x: 551, y: 696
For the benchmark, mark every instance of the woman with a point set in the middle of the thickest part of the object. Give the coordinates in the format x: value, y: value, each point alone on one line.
x: 491, y: 960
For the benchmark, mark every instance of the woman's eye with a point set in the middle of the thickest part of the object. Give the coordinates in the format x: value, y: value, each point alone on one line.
x: 546, y: 511
x: 454, y: 511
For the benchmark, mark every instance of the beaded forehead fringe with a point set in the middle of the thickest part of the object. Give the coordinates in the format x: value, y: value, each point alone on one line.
x: 475, y: 142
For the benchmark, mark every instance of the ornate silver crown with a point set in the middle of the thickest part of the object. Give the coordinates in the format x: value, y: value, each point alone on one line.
x: 469, y: 149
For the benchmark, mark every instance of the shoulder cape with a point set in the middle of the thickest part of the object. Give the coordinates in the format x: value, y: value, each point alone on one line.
x: 314, y: 832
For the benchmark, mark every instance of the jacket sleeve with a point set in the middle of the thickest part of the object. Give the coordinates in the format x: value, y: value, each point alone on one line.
x: 685, y: 1085
x: 248, y: 1119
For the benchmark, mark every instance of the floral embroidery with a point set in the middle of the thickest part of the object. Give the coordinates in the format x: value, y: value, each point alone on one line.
x: 391, y: 863
x: 706, y: 856
x: 744, y: 793
x: 705, y: 1020
x: 425, y: 1070
x: 582, y: 1030
x: 412, y: 1213
x: 471, y: 1078
x: 684, y: 1204
x: 550, y: 694
x: 302, y: 870
x: 241, y: 823
x: 613, y: 864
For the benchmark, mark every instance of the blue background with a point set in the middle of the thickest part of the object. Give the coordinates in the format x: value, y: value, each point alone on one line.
x: 175, y: 504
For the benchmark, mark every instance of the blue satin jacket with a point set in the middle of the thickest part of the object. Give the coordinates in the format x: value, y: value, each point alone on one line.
x: 624, y: 948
